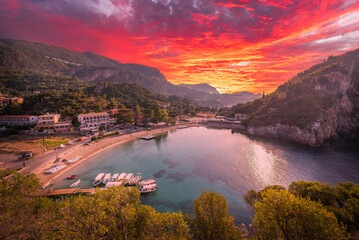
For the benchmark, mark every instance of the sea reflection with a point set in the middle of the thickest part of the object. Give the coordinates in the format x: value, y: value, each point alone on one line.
x: 186, y: 161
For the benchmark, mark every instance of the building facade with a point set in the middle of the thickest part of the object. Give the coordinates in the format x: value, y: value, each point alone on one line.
x: 93, y: 121
x: 50, y: 123
x: 18, y: 120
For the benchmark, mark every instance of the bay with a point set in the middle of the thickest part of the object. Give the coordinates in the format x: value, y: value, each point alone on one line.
x: 187, y: 161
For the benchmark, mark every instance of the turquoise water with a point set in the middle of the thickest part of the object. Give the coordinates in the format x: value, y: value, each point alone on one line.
x: 186, y: 161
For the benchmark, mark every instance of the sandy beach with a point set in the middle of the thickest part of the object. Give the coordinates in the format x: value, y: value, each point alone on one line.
x: 88, y: 151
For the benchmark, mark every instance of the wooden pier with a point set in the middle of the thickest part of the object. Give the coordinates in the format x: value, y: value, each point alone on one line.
x: 67, y: 191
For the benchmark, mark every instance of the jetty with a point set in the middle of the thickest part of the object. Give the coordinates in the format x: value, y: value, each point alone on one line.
x: 148, y: 137
x: 66, y: 191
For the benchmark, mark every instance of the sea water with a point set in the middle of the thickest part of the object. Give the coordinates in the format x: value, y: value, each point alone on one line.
x: 185, y: 162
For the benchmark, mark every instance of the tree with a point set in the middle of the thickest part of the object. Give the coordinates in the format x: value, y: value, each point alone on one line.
x: 13, y: 108
x: 212, y: 220
x: 124, y: 116
x: 137, y: 113
x: 281, y: 215
x: 20, y: 212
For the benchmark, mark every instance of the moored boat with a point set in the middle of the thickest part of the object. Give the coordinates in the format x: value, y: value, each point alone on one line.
x: 135, y: 180
x: 71, y: 176
x: 128, y: 177
x: 75, y: 183
x: 121, y: 177
x: 148, y: 188
x: 147, y: 182
x: 98, y: 179
x: 114, y: 177
x: 106, y: 178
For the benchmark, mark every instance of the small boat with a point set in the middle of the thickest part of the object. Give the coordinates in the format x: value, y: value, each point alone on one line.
x: 106, y: 178
x: 71, y: 176
x: 114, y: 177
x: 113, y: 184
x: 147, y: 182
x: 148, y: 188
x: 128, y: 178
x: 98, y: 179
x: 121, y: 177
x: 135, y: 180
x: 148, y: 137
x: 75, y: 183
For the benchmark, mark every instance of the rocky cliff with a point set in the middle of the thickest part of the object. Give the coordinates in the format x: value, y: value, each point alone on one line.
x: 318, y: 104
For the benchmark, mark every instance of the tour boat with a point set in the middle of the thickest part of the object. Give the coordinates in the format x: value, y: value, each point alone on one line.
x: 147, y: 182
x: 114, y: 177
x: 148, y: 188
x: 72, y: 176
x: 106, y: 178
x: 121, y: 177
x: 75, y: 183
x: 128, y: 177
x: 98, y: 179
x: 135, y: 180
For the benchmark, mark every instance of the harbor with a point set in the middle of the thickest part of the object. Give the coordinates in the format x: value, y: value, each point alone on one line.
x: 103, y: 181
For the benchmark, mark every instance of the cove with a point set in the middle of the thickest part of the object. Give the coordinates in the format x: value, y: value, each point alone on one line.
x: 186, y: 161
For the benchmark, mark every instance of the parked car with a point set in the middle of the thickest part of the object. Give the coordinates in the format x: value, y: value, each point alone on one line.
x: 26, y: 155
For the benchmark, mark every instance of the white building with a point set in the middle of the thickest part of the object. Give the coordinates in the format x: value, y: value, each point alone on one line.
x: 18, y: 120
x: 93, y: 121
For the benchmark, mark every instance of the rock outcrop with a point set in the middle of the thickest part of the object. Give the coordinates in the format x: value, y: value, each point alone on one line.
x: 319, y: 104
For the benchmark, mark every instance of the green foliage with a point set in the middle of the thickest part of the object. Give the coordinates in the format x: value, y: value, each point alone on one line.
x: 342, y: 199
x: 251, y: 197
x: 212, y: 220
x: 281, y: 215
x: 124, y: 116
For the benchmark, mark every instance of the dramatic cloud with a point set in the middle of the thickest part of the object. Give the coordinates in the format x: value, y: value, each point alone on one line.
x: 233, y: 44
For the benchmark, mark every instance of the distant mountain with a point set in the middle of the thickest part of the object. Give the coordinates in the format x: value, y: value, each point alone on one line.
x: 201, y: 87
x: 90, y: 67
x: 318, y: 104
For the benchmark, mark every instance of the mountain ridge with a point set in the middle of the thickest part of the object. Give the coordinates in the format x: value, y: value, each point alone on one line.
x: 91, y: 67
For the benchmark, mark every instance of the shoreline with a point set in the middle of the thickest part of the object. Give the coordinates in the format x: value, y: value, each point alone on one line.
x: 89, y: 151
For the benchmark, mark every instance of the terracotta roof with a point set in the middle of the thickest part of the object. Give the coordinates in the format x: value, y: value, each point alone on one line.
x: 92, y: 114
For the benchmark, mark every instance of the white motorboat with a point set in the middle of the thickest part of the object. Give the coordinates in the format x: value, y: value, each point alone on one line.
x: 128, y: 177
x: 106, y: 178
x: 147, y: 182
x: 98, y: 179
x: 135, y: 180
x: 148, y: 188
x: 75, y: 183
x: 122, y: 176
x: 114, y: 177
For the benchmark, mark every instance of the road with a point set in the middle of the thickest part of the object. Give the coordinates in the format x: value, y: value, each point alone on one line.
x: 33, y: 164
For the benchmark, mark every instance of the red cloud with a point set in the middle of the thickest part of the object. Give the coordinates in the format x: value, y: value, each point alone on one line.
x: 234, y: 45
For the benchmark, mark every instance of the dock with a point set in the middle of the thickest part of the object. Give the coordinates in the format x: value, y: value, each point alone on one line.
x: 148, y: 137
x: 67, y: 191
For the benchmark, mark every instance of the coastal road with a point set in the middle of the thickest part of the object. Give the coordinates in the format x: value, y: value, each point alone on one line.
x: 33, y: 164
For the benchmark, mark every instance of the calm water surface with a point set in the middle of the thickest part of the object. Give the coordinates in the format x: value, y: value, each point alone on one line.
x: 186, y: 161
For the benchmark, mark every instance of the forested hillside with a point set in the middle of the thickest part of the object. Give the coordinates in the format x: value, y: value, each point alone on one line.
x: 318, y: 104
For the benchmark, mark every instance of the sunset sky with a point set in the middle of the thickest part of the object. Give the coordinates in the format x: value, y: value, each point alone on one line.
x: 248, y: 45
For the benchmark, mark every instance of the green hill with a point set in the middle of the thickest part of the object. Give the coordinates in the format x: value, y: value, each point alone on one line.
x: 318, y: 104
